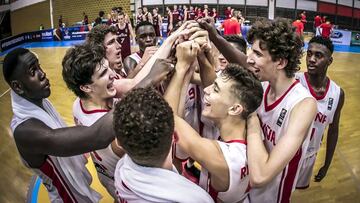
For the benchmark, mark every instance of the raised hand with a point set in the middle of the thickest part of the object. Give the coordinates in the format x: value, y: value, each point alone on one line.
x: 148, y: 53
x: 160, y: 70
x: 186, y: 52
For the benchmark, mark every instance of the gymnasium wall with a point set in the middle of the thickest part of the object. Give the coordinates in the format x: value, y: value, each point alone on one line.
x: 72, y: 10
x: 29, y: 18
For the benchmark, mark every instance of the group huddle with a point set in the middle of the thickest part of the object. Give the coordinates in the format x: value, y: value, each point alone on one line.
x: 194, y: 120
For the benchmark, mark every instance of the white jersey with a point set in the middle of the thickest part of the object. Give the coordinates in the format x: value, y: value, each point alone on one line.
x: 105, y: 160
x: 327, y: 105
x: 65, y: 178
x: 234, y: 152
x: 274, y: 122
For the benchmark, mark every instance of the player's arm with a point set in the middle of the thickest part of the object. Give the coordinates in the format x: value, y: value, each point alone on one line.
x: 207, y: 66
x: 205, y: 151
x: 150, y: 18
x: 264, y: 166
x: 132, y: 33
x: 231, y: 54
x: 160, y: 24
x: 332, y: 137
x: 34, y: 137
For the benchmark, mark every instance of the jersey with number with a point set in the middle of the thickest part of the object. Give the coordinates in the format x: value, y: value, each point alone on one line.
x: 274, y: 122
x: 234, y: 152
x: 124, y: 37
x: 105, y: 160
x: 327, y: 105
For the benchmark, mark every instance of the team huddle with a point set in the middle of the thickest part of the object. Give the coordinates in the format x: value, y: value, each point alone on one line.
x: 194, y: 120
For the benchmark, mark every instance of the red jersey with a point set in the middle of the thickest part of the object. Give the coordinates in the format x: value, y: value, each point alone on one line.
x: 317, y: 21
x: 326, y: 30
x: 299, y: 26
x: 139, y: 18
x: 191, y: 15
x: 156, y: 24
x: 227, y: 14
x: 175, y: 16
x: 231, y: 27
x: 124, y: 39
x: 199, y: 14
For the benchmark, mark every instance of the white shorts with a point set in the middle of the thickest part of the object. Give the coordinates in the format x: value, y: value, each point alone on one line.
x: 305, y: 173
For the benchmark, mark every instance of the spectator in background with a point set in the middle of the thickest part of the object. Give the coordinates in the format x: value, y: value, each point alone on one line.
x: 86, y: 19
x: 240, y: 18
x: 228, y: 12
x: 214, y: 14
x: 317, y: 22
x: 303, y: 17
x: 99, y: 19
x: 60, y: 22
x: 326, y: 29
x: 231, y: 26
x: 298, y: 24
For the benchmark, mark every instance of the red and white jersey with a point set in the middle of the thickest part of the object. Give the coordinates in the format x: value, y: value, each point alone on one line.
x: 327, y: 105
x: 65, y: 178
x: 274, y: 122
x: 136, y: 56
x: 105, y: 160
x: 234, y: 152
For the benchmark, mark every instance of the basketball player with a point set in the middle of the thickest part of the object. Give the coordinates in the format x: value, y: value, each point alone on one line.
x: 147, y: 15
x: 87, y: 73
x: 146, y: 38
x: 52, y: 150
x: 113, y: 19
x: 144, y: 125
x: 286, y: 112
x: 157, y: 21
x: 139, y: 17
x: 124, y: 32
x: 234, y: 95
x: 330, y: 100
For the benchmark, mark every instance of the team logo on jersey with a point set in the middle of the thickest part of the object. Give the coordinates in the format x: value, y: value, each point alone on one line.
x: 330, y: 104
x: 281, y: 117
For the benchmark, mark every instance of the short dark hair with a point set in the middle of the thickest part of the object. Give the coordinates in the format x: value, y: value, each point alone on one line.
x: 79, y: 64
x: 324, y: 41
x: 279, y: 38
x: 101, y: 13
x: 12, y: 62
x: 240, y: 41
x: 247, y: 87
x: 143, y: 23
x: 144, y: 124
x: 96, y: 36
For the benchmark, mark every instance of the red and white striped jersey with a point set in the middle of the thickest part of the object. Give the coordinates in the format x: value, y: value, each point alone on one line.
x: 327, y: 105
x: 274, y: 122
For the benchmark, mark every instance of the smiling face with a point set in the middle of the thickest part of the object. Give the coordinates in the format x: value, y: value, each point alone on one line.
x: 218, y: 99
x: 318, y: 59
x: 30, y: 80
x: 103, y: 82
x: 261, y: 63
x: 113, y: 51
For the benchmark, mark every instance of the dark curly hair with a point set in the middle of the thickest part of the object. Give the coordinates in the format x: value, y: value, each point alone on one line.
x: 238, y: 40
x: 143, y: 23
x: 247, y: 87
x: 324, y: 41
x: 79, y: 65
x: 144, y: 124
x: 96, y: 36
x: 278, y: 37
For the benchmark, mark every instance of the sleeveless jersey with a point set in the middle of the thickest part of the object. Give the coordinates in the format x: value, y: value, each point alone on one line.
x: 156, y: 24
x: 139, y: 18
x: 274, y: 122
x: 146, y: 15
x: 105, y: 160
x: 234, y: 152
x: 124, y: 36
x: 175, y: 16
x: 191, y: 15
x: 326, y: 105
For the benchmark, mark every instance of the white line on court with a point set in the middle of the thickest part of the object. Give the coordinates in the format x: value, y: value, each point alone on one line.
x: 4, y: 92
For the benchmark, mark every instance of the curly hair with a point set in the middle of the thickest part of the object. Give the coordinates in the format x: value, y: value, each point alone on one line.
x: 278, y: 37
x: 144, y: 124
x: 96, y: 36
x: 247, y: 87
x: 79, y: 64
x: 238, y: 40
x: 143, y: 23
x: 324, y: 41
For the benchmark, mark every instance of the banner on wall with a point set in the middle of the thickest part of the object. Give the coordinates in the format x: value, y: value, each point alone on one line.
x: 74, y: 33
x: 355, y: 38
x: 341, y: 37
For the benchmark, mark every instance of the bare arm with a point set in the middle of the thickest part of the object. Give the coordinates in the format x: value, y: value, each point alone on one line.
x: 332, y: 137
x: 34, y: 138
x: 265, y: 166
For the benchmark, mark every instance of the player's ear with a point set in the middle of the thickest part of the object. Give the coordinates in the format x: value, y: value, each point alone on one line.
x: 175, y: 136
x: 235, y: 109
x: 281, y: 63
x: 85, y: 88
x: 17, y: 87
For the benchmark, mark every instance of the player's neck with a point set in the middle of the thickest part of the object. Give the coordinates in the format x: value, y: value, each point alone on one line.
x: 168, y: 162
x: 232, y: 129
x: 278, y: 87
x: 93, y: 104
x: 317, y: 81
